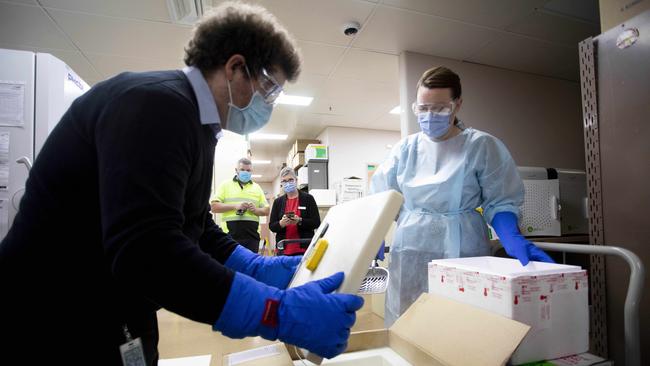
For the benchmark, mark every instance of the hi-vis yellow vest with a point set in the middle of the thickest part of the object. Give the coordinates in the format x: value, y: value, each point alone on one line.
x: 230, y: 192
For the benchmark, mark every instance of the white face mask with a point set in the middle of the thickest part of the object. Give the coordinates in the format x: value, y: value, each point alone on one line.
x: 251, y: 117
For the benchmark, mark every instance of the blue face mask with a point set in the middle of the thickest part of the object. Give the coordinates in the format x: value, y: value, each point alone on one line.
x: 250, y: 118
x: 244, y: 176
x: 289, y: 187
x: 434, y: 125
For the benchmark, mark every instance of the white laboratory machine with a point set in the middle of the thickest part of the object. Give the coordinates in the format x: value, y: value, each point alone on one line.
x: 555, y: 202
x: 35, y: 91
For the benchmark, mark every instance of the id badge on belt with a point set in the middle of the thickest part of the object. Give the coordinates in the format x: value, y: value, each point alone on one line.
x: 132, y: 352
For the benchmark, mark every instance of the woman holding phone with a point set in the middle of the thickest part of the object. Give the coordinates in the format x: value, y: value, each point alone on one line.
x: 294, y: 215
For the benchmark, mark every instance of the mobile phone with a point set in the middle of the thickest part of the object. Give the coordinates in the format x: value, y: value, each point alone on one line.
x: 290, y: 214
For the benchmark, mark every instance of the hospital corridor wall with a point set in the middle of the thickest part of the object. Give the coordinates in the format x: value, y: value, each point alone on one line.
x: 539, y: 118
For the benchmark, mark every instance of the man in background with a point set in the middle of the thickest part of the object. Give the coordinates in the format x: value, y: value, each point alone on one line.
x: 241, y: 202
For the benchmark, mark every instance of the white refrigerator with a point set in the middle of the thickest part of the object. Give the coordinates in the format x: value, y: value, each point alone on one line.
x: 35, y: 91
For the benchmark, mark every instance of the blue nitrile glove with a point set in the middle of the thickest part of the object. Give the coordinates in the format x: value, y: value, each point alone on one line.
x: 308, y: 316
x: 380, y: 254
x: 273, y: 271
x: 505, y: 224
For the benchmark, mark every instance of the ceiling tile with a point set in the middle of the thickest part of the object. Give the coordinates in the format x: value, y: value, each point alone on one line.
x: 359, y: 91
x: 110, y: 65
x: 523, y: 54
x: 309, y: 131
x: 352, y: 102
x: 555, y: 28
x: 344, y: 111
x: 587, y: 10
x: 77, y: 62
x: 317, y: 20
x: 284, y: 117
x: 392, y: 31
x: 307, y: 85
x: 371, y: 66
x: 496, y: 14
x: 319, y: 58
x: 92, y: 82
x: 29, y: 26
x: 140, y: 9
x: 122, y: 37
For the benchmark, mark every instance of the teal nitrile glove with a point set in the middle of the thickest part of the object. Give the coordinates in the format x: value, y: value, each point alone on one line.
x: 308, y: 316
x: 505, y: 224
x: 273, y: 271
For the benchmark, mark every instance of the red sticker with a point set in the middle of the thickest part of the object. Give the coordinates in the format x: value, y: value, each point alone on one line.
x: 516, y: 299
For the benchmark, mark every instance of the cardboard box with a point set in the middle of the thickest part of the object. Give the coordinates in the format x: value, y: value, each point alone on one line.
x: 438, y: 331
x: 551, y: 298
x: 297, y: 161
x: 299, y: 146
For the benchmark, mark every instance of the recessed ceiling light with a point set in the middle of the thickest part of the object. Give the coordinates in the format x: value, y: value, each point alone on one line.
x: 294, y: 100
x: 256, y: 175
x: 266, y: 136
x: 396, y: 110
x: 261, y: 162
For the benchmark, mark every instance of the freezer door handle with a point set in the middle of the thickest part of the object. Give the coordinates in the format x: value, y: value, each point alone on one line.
x: 25, y: 160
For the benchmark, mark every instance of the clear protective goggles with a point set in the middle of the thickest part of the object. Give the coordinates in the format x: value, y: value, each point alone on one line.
x: 441, y: 108
x: 270, y: 87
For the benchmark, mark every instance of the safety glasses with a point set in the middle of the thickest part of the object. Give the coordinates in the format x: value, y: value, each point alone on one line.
x: 270, y: 87
x: 442, y: 108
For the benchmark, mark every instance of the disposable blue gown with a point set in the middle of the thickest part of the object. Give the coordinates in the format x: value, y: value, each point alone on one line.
x: 443, y: 183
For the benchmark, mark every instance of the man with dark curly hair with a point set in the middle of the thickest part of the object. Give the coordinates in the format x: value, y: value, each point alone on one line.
x: 115, y: 221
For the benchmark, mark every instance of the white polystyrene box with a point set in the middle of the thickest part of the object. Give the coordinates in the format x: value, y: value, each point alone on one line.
x: 551, y: 298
